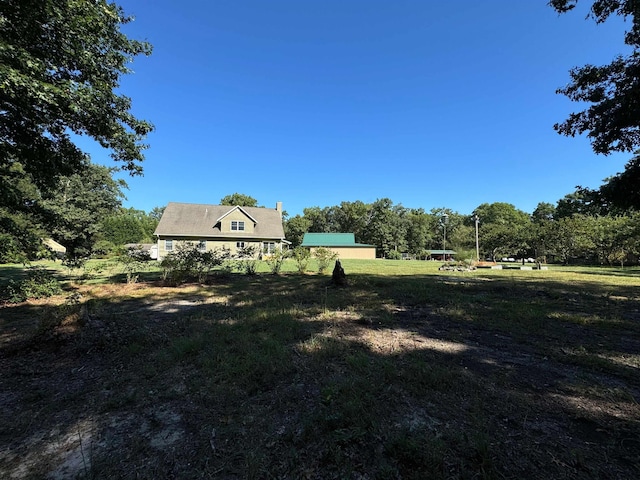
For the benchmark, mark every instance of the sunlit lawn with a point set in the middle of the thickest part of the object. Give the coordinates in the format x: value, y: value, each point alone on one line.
x: 408, y: 372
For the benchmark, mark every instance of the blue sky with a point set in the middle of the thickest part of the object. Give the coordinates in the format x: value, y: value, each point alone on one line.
x: 429, y: 103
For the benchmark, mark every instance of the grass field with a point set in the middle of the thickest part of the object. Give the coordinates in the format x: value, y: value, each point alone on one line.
x: 407, y: 373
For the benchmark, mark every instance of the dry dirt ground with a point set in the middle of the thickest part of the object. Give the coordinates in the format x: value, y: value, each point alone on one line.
x: 499, y: 405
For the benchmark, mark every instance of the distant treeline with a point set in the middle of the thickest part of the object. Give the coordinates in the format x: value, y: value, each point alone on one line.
x: 577, y: 229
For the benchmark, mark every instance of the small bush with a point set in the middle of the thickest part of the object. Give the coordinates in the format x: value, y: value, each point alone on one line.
x: 276, y: 259
x: 133, y: 261
x: 324, y: 257
x: 189, y: 262
x: 301, y: 255
x: 39, y: 283
x: 247, y: 261
x: 394, y: 255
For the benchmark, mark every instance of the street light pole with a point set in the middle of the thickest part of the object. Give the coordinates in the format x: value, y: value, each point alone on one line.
x: 477, y: 220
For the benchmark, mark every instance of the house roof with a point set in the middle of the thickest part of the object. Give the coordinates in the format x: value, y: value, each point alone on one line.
x: 200, y: 220
x: 242, y: 209
x: 331, y: 240
x: 442, y: 252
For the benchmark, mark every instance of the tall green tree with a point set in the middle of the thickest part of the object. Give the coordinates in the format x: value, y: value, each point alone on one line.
x: 544, y: 211
x: 612, y: 118
x: 420, y: 227
x: 239, y: 199
x: 128, y: 225
x: 75, y: 208
x: 583, y: 201
x: 352, y: 217
x: 505, y: 229
x: 60, y: 67
x: 612, y: 121
x: 156, y: 213
x: 542, y: 218
x: 571, y: 237
x: 317, y: 217
x: 295, y: 228
x: 380, y: 230
x: 61, y: 63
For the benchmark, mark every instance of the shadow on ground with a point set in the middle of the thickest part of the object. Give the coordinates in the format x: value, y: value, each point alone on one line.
x: 289, y: 377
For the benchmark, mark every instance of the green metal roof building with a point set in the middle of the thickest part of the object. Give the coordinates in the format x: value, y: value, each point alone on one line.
x: 344, y: 244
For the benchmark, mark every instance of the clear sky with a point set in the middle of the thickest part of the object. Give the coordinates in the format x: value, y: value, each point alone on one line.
x: 314, y: 102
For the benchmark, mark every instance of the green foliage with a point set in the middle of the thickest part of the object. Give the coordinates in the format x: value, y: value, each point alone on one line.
x: 295, y: 228
x: 133, y: 261
x: 302, y: 256
x: 10, y: 250
x: 103, y: 248
x: 21, y: 237
x: 239, y: 199
x: 324, y: 256
x: 394, y: 255
x: 62, y: 63
x: 246, y: 259
x: 73, y: 209
x: 612, y: 119
x: 382, y: 229
x: 504, y: 231
x: 276, y: 259
x: 622, y: 191
x: 187, y: 261
x: 61, y: 66
x: 39, y: 283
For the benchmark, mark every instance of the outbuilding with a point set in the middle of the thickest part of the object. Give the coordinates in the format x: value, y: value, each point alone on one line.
x: 343, y: 244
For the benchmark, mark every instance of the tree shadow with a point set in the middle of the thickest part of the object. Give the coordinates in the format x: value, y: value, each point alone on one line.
x: 392, y: 377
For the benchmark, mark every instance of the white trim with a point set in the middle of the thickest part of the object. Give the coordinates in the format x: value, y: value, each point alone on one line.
x: 240, y: 223
x: 237, y: 207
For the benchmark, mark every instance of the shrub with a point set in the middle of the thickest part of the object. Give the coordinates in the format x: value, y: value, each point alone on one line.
x: 247, y: 260
x: 394, y: 255
x: 39, y: 283
x: 301, y: 255
x: 276, y: 259
x: 188, y: 261
x: 133, y: 261
x: 10, y: 250
x: 324, y: 257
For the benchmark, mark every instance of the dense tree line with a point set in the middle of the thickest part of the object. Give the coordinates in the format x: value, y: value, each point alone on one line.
x: 577, y: 229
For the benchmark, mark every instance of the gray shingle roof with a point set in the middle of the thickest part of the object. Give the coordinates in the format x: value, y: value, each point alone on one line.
x: 198, y: 220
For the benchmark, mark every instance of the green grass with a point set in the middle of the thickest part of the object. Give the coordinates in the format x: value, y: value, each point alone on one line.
x: 408, y: 372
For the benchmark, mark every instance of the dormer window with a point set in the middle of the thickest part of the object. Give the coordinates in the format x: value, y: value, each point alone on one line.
x: 237, y: 225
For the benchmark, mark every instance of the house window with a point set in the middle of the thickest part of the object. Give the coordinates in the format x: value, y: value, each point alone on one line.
x: 268, y: 247
x: 168, y: 245
x: 239, y: 244
x: 237, y: 225
x: 202, y: 245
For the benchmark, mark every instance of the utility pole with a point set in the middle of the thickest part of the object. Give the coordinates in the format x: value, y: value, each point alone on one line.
x: 477, y: 220
x: 445, y: 217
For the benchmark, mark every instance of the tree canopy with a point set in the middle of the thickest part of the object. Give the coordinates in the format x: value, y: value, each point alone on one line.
x: 612, y: 122
x: 239, y: 199
x: 60, y: 66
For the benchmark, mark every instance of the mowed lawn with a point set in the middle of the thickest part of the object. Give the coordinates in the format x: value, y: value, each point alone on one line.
x: 407, y: 373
